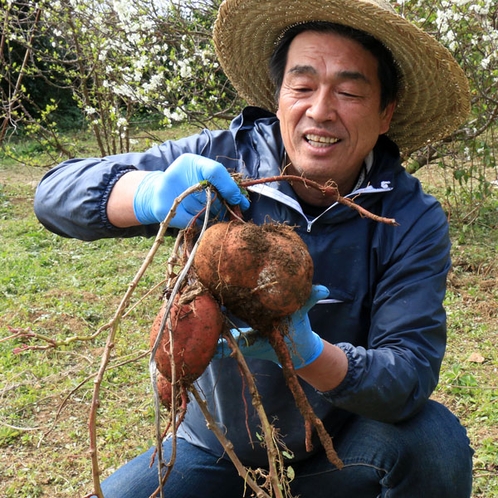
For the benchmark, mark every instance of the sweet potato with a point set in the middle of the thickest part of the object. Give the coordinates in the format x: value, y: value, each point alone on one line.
x: 196, y: 324
x: 164, y: 389
x: 260, y: 273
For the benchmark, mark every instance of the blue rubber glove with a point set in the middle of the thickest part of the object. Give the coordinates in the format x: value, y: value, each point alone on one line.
x: 157, y: 191
x: 305, y: 346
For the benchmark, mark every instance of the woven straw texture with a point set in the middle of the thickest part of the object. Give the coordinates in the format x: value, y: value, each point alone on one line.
x: 434, y: 99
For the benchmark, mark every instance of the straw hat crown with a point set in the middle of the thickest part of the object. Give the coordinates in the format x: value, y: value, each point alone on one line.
x: 434, y: 97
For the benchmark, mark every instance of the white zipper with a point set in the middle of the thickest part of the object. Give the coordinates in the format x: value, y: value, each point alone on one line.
x: 279, y: 196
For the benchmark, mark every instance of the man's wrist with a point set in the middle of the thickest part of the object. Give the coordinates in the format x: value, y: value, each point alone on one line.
x: 328, y: 370
x: 119, y: 209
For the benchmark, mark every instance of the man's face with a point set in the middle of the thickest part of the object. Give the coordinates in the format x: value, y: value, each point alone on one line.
x: 329, y: 108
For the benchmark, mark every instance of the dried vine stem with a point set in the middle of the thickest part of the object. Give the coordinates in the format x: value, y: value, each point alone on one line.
x: 114, y: 325
x: 330, y: 190
x: 228, y: 446
x: 268, y: 430
x: 166, y: 320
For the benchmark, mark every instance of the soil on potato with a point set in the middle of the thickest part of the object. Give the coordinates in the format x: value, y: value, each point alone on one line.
x: 260, y: 273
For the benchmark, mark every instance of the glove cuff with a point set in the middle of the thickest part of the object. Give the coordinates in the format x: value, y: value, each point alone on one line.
x: 314, y: 351
x: 142, y: 201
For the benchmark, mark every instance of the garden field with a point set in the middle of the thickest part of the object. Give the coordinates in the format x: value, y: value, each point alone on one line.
x: 56, y: 293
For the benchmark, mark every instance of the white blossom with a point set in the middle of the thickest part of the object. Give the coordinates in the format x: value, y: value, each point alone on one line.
x: 122, y: 123
x: 485, y: 62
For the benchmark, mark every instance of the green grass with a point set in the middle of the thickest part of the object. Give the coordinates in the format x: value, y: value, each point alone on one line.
x: 469, y: 377
x: 62, y: 288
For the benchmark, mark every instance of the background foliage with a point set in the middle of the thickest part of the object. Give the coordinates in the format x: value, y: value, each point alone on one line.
x: 93, y: 77
x: 119, y: 61
x: 113, y: 65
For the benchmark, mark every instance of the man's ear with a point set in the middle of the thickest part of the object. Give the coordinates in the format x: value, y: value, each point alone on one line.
x: 385, y: 117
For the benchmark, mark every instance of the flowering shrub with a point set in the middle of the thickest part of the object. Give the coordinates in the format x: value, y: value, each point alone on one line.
x: 121, y: 58
x: 469, y: 29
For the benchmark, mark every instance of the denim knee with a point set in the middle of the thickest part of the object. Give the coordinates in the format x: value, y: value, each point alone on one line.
x: 434, y: 459
x: 426, y: 456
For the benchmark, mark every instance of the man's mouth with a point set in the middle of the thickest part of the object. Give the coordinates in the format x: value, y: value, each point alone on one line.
x: 320, y: 141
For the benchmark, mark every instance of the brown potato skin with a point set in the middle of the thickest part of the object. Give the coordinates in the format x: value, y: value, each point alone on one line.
x: 260, y: 273
x: 164, y: 389
x: 196, y: 326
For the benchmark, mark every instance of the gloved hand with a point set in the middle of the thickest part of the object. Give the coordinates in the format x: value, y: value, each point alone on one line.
x: 304, y: 345
x: 157, y: 191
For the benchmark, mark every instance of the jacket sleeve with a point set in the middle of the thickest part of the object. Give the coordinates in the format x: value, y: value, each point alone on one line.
x: 395, y: 373
x: 71, y: 199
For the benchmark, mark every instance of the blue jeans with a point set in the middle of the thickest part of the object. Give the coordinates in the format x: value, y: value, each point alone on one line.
x: 427, y: 456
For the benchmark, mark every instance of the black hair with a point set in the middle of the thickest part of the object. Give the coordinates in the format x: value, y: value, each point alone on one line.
x: 387, y: 70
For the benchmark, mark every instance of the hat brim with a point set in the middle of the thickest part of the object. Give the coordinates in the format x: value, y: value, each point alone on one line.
x: 434, y: 98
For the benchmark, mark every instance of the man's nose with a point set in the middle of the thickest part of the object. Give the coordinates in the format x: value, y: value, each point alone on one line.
x: 323, y: 107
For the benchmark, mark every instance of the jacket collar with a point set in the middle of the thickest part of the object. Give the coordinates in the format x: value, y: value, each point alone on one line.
x: 265, y: 142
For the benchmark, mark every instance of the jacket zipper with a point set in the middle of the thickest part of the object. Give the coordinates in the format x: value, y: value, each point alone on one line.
x: 279, y: 196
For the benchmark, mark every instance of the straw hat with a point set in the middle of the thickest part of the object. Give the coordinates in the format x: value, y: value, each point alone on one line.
x: 434, y: 96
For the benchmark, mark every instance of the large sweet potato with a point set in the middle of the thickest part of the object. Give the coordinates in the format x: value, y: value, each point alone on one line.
x: 260, y: 273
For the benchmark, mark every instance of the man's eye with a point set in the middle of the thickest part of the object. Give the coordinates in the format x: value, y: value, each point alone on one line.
x: 349, y: 94
x: 302, y: 89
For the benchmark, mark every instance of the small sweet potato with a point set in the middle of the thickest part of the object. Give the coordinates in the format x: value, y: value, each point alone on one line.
x: 196, y: 325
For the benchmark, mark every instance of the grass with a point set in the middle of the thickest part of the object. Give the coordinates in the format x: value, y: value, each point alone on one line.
x: 63, y: 288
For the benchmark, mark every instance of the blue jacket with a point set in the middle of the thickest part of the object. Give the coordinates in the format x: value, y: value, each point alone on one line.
x: 386, y: 283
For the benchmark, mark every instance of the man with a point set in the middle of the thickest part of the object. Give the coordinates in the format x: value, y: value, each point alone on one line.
x: 350, y: 77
